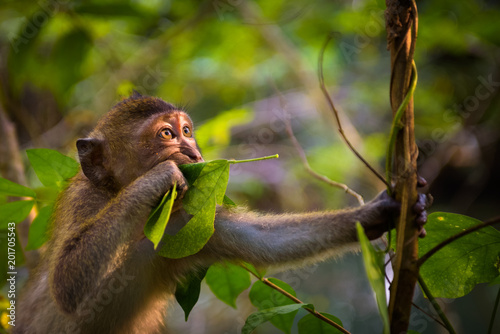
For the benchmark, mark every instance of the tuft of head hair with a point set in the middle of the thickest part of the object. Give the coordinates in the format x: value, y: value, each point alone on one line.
x: 142, y: 106
x: 124, y: 115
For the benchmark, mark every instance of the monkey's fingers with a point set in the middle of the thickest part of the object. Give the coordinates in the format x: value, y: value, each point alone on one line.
x: 420, y: 209
x: 181, y: 188
x: 421, y: 182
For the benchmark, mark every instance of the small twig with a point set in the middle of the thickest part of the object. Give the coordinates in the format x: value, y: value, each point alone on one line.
x: 495, y: 307
x: 428, y: 314
x: 436, y: 306
x: 335, y: 112
x: 396, y: 126
x: 296, y: 300
x: 302, y: 154
x: 308, y: 168
x: 443, y: 243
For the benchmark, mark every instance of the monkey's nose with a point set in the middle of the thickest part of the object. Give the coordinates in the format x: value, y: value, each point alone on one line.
x: 194, y: 155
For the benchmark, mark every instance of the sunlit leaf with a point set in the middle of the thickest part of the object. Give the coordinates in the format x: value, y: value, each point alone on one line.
x: 207, y: 186
x: 265, y: 297
x: 14, y: 212
x: 193, y: 236
x: 158, y: 219
x: 10, y: 188
x: 52, y: 167
x: 257, y: 318
x: 310, y: 324
x: 227, y: 282
x: 457, y: 268
x: 187, y: 293
x: 211, y: 180
x: 38, y: 232
x: 374, y: 266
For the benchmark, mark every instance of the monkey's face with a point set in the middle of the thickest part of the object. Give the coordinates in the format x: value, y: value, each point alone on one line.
x: 168, y: 136
x: 136, y: 135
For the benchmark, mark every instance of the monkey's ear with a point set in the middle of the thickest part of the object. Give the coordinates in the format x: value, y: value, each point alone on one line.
x: 135, y: 95
x: 91, y: 154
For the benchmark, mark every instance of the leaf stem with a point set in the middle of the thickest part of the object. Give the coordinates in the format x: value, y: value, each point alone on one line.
x: 396, y: 126
x: 255, y: 159
x: 298, y: 301
x: 436, y: 306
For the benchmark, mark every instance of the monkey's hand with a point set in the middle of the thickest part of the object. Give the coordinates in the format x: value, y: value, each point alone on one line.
x: 384, y: 211
x: 161, y: 178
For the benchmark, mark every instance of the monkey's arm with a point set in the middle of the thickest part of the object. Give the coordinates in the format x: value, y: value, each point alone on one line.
x: 88, y: 245
x: 276, y: 239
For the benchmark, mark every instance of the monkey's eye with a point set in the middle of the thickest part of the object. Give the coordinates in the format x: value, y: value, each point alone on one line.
x: 187, y: 131
x: 166, y: 134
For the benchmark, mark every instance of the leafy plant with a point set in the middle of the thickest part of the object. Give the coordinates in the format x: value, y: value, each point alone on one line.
x: 207, y: 188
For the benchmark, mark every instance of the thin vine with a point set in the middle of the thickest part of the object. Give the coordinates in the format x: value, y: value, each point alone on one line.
x: 396, y: 126
x: 335, y: 112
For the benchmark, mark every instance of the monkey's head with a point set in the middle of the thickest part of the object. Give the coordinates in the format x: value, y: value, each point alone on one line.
x: 133, y: 137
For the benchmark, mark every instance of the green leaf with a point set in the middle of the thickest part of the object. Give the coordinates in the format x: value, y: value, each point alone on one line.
x: 374, y: 266
x: 310, y: 324
x: 192, y: 237
x: 207, y: 185
x: 454, y: 270
x: 227, y: 282
x: 265, y: 297
x: 211, y: 180
x: 10, y: 188
x: 158, y: 219
x: 188, y: 292
x: 228, y: 202
x: 14, y: 212
x: 38, y: 233
x: 257, y: 318
x: 207, y: 188
x: 260, y: 272
x: 52, y: 167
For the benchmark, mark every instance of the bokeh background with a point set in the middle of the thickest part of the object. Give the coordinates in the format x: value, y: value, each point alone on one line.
x: 240, y: 68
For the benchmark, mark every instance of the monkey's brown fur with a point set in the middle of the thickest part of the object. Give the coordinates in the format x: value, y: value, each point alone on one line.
x: 100, y: 274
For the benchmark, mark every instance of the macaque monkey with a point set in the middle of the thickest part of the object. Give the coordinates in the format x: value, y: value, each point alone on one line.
x: 100, y: 274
